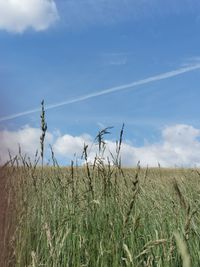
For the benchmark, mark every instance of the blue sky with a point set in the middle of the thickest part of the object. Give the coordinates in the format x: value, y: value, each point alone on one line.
x: 71, y: 49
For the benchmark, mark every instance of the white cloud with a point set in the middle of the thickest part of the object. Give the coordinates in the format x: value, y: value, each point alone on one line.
x: 180, y: 146
x: 19, y: 15
x: 68, y: 145
x: 28, y: 138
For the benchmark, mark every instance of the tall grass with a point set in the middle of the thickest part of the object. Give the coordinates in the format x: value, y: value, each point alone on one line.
x: 105, y: 217
x: 101, y: 214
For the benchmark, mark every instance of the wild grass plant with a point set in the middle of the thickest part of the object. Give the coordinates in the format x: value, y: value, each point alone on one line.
x: 101, y: 214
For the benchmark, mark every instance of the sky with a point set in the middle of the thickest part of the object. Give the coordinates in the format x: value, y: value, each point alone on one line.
x: 98, y: 64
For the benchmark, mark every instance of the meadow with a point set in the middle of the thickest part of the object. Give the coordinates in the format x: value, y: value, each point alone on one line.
x: 101, y: 214
x: 105, y: 215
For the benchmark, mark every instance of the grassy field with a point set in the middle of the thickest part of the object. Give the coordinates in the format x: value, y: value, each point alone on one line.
x: 104, y: 215
x: 101, y: 214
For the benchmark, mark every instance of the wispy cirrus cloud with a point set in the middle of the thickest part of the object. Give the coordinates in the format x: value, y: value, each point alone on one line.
x: 20, y: 15
x: 115, y: 59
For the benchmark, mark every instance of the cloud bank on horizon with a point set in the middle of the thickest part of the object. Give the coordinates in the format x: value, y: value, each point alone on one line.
x: 19, y: 15
x: 179, y: 146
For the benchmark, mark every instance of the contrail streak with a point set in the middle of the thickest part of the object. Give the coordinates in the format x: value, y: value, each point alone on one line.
x: 158, y: 77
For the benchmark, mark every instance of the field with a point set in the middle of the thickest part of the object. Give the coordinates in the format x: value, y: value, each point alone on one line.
x: 5, y: 219
x: 99, y: 214
x: 103, y: 215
